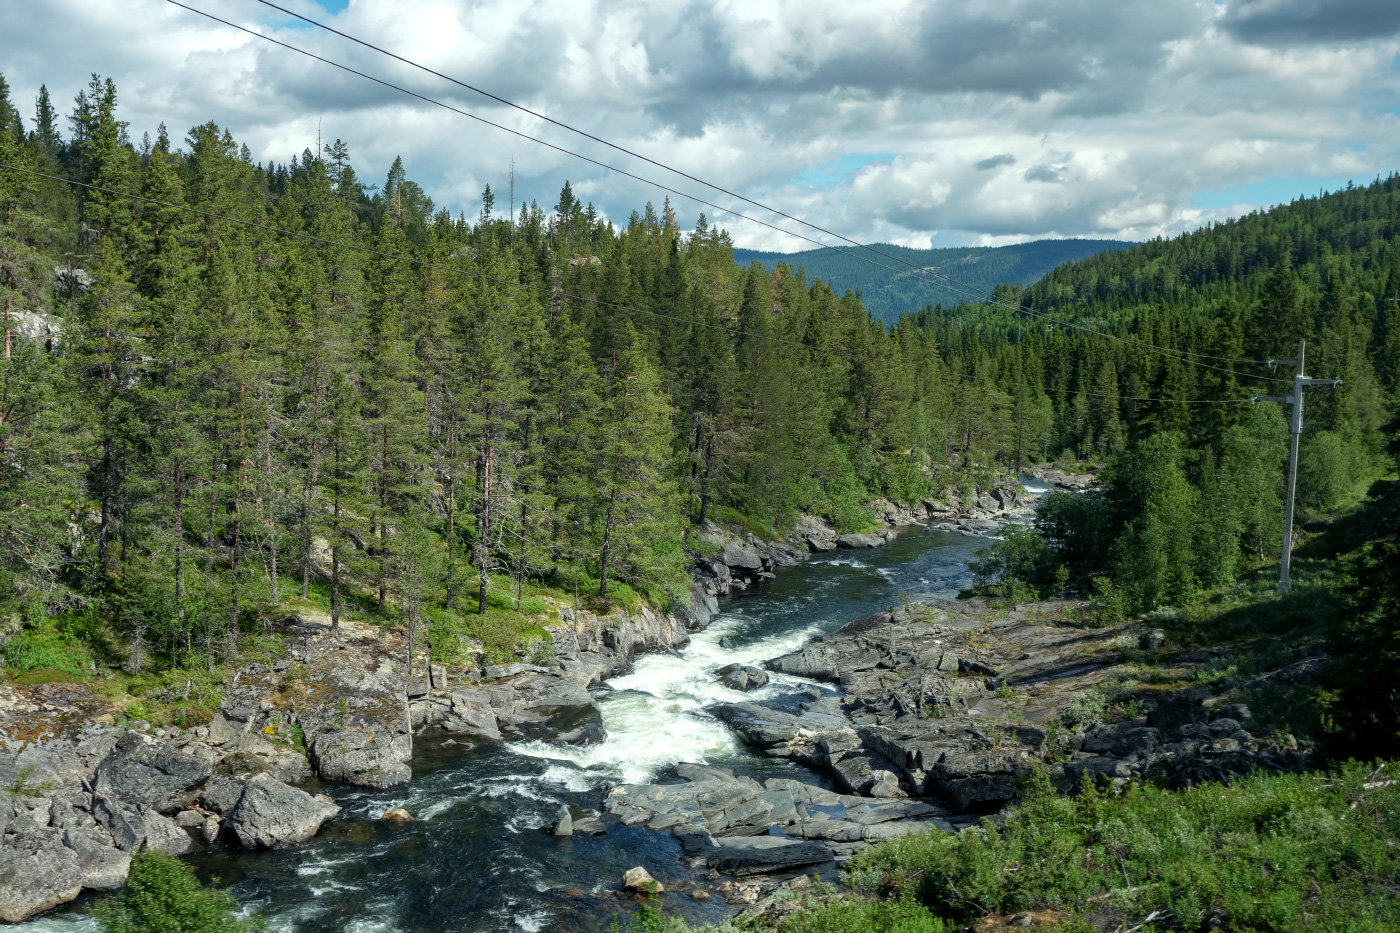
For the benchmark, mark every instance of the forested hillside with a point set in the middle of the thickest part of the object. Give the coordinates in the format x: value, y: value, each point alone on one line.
x: 235, y: 386
x: 889, y: 286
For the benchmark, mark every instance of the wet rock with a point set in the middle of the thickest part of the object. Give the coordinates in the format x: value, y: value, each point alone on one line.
x: 271, y: 815
x: 548, y: 707
x: 860, y: 540
x: 563, y: 823
x: 397, y: 815
x: 742, y: 677
x: 639, y: 881
x: 472, y: 714
x: 753, y: 855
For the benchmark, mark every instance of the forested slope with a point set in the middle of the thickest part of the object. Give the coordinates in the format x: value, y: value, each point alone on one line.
x: 889, y: 287
x: 209, y: 411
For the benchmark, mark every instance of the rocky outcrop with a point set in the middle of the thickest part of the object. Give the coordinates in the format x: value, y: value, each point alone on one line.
x: 271, y: 815
x: 739, y: 826
x: 37, y: 872
x: 957, y: 702
x: 143, y: 770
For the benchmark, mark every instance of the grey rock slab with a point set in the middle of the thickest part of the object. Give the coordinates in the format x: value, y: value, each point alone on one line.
x: 142, y: 769
x: 742, y: 556
x: 37, y: 873
x: 753, y: 855
x: 104, y: 867
x: 271, y: 815
x: 860, y: 540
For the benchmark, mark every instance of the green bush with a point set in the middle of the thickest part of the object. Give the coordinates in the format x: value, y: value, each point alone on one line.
x: 1279, y: 852
x: 48, y: 648
x: 162, y: 895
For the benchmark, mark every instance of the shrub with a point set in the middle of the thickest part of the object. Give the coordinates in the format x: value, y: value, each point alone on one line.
x: 162, y: 894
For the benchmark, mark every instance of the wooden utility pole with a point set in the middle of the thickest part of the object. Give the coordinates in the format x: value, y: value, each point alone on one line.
x: 1295, y: 427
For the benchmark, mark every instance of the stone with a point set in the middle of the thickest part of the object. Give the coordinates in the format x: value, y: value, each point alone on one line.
x: 563, y: 823
x: 161, y: 834
x: 742, y: 677
x: 271, y: 815
x: 1151, y: 641
x: 37, y: 873
x: 144, y: 770
x: 860, y: 540
x: 397, y: 815
x: 752, y: 855
x: 639, y: 881
x: 1179, y: 709
x: 104, y: 867
x: 209, y: 830
x: 437, y: 673
x: 742, y: 556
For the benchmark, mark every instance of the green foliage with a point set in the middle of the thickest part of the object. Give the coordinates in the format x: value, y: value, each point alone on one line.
x: 1269, y: 852
x: 1020, y: 556
x: 162, y: 895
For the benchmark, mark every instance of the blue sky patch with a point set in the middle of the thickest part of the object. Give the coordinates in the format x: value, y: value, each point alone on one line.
x: 1272, y: 190
x: 833, y: 173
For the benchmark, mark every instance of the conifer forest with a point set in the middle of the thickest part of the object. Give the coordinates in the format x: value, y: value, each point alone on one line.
x: 242, y: 389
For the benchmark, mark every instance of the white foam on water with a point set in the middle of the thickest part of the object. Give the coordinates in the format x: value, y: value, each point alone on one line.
x: 654, y: 716
x: 532, y: 921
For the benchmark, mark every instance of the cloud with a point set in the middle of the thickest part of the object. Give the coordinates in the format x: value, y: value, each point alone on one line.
x: 1020, y: 119
x: 996, y: 161
x: 1049, y: 174
x: 1311, y: 22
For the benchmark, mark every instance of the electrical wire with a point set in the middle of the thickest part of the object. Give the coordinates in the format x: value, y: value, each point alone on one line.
x: 670, y: 168
x: 499, y: 281
x: 946, y: 281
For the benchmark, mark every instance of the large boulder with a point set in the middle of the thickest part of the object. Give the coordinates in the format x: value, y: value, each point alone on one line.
x: 358, y: 732
x: 738, y: 554
x: 860, y: 540
x: 471, y: 714
x: 742, y: 677
x: 271, y: 815
x: 104, y: 867
x: 143, y: 770
x: 547, y: 707
x: 755, y: 855
x: 37, y: 873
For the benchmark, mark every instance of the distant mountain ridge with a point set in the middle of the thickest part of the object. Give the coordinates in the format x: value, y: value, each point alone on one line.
x: 888, y: 292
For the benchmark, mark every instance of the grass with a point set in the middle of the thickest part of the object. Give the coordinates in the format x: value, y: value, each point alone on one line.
x: 1281, y: 853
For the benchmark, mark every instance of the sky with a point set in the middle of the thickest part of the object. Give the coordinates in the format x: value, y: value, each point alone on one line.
x: 942, y: 122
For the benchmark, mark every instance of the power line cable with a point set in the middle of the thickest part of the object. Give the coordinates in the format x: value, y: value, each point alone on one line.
x: 946, y: 281
x: 499, y: 281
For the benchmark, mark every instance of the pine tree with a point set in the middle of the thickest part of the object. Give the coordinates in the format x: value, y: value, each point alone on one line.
x: 634, y: 497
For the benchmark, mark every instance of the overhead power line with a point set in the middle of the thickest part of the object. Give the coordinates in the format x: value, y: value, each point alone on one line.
x: 967, y: 291
x: 307, y: 237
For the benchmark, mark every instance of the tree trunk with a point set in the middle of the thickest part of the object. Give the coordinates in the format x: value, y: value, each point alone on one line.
x: 606, y: 554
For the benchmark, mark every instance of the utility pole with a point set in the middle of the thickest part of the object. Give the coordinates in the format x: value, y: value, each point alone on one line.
x: 1295, y: 428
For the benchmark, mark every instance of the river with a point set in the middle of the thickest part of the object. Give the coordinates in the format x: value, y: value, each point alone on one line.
x: 476, y: 859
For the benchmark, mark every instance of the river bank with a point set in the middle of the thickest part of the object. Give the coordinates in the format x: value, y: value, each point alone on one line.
x: 340, y: 697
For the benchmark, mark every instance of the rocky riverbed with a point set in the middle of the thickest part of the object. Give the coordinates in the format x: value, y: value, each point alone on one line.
x: 90, y: 792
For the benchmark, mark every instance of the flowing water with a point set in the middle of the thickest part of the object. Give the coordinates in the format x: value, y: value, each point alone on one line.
x: 476, y: 860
